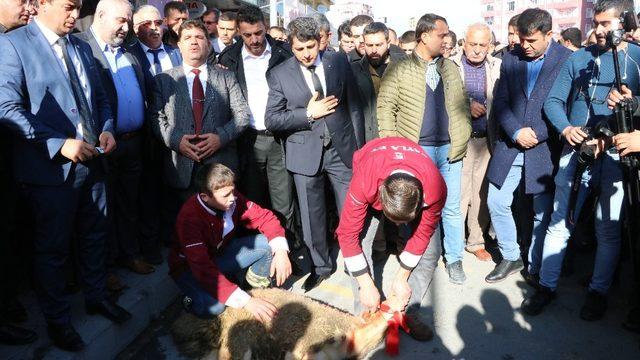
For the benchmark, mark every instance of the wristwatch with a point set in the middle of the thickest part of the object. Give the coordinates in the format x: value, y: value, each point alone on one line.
x: 309, y: 118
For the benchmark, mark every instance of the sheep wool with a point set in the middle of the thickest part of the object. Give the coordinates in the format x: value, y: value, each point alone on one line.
x: 302, y: 329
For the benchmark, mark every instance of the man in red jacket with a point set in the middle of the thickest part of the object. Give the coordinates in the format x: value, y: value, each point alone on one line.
x: 393, y: 177
x: 208, y: 261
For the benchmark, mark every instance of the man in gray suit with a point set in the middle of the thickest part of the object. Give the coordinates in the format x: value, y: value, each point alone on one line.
x: 313, y: 99
x: 198, y: 111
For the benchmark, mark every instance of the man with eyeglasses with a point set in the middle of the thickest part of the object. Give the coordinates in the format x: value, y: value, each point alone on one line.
x: 154, y: 57
x: 210, y: 20
x: 582, y: 88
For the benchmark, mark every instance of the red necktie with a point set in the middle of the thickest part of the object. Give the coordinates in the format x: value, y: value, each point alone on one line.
x: 197, y: 101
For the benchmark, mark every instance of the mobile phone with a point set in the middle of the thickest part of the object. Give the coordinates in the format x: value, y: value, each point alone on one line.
x: 99, y: 149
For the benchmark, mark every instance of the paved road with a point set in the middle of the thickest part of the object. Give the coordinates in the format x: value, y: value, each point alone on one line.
x: 474, y: 321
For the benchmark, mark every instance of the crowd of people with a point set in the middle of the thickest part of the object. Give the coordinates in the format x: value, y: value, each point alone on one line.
x: 241, y: 146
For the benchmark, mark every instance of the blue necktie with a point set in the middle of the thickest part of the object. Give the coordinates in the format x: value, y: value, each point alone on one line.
x: 156, y: 60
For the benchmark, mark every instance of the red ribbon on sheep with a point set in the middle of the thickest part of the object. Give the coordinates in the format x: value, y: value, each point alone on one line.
x: 395, y: 323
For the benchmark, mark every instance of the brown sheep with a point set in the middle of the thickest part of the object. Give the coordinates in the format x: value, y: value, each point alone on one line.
x: 303, y: 329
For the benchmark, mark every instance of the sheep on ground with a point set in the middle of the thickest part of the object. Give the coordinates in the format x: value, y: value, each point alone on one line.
x: 302, y: 329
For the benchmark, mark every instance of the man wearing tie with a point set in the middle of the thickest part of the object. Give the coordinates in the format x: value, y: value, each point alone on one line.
x: 155, y: 57
x: 123, y: 81
x: 53, y: 103
x: 314, y: 99
x: 197, y: 112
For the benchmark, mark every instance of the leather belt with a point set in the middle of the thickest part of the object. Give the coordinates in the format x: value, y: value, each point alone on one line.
x: 129, y: 135
x: 478, y: 134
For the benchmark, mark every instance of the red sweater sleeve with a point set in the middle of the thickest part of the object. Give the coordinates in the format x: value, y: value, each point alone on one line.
x: 254, y: 217
x: 192, y: 232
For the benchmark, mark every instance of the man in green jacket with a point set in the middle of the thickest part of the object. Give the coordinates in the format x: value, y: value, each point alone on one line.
x: 434, y: 113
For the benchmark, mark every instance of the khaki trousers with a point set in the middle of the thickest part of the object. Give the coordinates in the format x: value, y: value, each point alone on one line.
x: 473, y: 201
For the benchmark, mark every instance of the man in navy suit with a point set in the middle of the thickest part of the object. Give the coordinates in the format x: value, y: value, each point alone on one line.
x: 313, y: 100
x: 154, y: 57
x: 523, y: 152
x: 52, y: 102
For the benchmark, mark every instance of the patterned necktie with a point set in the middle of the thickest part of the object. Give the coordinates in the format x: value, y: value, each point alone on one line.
x: 88, y: 130
x: 317, y: 85
x: 197, y: 101
x: 156, y: 60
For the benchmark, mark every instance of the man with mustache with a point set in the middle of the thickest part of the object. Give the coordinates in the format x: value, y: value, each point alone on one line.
x: 369, y: 70
x: 154, y: 57
x: 53, y: 102
x: 123, y: 81
x: 197, y: 112
x: 13, y: 14
x: 263, y: 175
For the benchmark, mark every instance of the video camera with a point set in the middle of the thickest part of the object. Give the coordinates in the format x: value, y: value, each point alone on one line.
x: 627, y: 23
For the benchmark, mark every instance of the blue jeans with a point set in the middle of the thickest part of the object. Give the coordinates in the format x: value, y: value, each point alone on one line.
x: 451, y: 217
x: 606, y: 175
x: 248, y: 252
x: 499, y: 202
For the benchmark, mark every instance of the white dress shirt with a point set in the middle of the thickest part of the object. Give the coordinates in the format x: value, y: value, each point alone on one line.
x: 218, y: 45
x: 52, y: 39
x: 320, y: 71
x: 163, y: 56
x: 255, y: 69
x: 204, y: 75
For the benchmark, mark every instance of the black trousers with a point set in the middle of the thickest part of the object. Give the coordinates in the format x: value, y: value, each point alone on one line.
x: 264, y: 178
x: 313, y: 207
x: 124, y: 170
x: 77, y: 208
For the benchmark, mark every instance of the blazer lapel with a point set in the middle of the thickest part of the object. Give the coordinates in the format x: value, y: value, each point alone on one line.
x: 298, y: 77
x: 182, y: 97
x: 523, y: 74
x: 547, y: 66
x: 329, y: 77
x: 56, y: 70
x: 210, y: 93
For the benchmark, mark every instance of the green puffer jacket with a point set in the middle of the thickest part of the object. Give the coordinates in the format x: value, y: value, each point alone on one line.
x: 402, y: 96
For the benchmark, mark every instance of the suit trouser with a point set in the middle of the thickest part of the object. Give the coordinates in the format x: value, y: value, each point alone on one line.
x: 313, y: 211
x: 265, y: 178
x: 9, y: 258
x: 475, y: 186
x: 421, y: 275
x: 151, y: 196
x: 124, y: 169
x: 77, y: 208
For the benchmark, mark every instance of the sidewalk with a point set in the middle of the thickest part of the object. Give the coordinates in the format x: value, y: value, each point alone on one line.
x: 474, y: 321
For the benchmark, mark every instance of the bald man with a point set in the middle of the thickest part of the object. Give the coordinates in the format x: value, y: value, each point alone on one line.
x: 123, y: 81
x: 480, y: 73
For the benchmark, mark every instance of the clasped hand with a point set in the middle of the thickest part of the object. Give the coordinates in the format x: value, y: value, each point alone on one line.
x: 199, y: 147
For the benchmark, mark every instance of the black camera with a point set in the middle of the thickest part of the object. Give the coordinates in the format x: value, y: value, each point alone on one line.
x: 629, y: 23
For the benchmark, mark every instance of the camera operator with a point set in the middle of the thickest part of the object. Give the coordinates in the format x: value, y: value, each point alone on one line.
x: 582, y: 89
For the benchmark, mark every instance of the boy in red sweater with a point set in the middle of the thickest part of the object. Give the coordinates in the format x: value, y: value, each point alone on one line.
x: 208, y: 261
x: 393, y: 177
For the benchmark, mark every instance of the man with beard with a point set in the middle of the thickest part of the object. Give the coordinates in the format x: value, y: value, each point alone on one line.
x: 369, y: 70
x: 583, y: 90
x: 123, y: 81
x: 175, y: 13
x: 13, y: 14
x: 357, y: 25
x: 512, y: 38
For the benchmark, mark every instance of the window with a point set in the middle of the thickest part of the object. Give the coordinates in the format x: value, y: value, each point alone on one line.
x: 511, y: 5
x: 489, y: 7
x: 489, y: 20
x: 589, y: 13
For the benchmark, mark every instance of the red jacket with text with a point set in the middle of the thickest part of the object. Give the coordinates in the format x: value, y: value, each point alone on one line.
x: 201, y: 235
x: 372, y: 164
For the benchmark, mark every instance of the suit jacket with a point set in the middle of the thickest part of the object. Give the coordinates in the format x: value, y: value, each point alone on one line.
x: 106, y: 74
x: 368, y: 96
x: 139, y: 54
x: 38, y: 106
x: 226, y: 113
x: 514, y: 111
x: 287, y: 111
x: 231, y: 57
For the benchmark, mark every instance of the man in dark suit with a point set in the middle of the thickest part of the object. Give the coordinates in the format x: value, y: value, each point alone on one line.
x: 523, y: 152
x: 198, y: 112
x: 314, y: 100
x: 155, y: 57
x: 124, y: 84
x: 13, y: 14
x: 54, y: 104
x: 369, y: 70
x: 263, y: 175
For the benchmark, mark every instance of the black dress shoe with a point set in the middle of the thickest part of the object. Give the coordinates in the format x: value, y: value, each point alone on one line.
x: 13, y: 335
x: 110, y: 310
x: 65, y: 337
x: 314, y: 280
x: 595, y: 305
x: 536, y: 303
x: 532, y: 280
x: 13, y: 311
x: 504, y: 269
